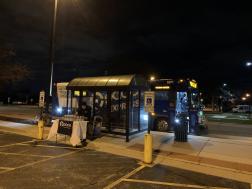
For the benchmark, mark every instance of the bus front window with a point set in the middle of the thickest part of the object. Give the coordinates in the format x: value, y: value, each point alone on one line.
x: 195, y: 100
x: 182, y: 102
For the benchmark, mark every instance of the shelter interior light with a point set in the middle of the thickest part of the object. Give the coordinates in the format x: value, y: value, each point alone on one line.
x: 76, y: 93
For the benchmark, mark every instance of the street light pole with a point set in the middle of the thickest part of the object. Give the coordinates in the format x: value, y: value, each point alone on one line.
x: 52, y: 54
x: 52, y: 45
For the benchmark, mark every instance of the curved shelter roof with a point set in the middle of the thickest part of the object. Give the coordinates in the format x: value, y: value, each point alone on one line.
x: 120, y: 81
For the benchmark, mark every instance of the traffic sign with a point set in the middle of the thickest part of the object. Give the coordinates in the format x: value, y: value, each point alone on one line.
x: 149, y: 101
x: 42, y: 99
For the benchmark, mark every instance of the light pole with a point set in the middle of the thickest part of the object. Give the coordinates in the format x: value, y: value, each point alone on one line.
x: 52, y: 44
x: 52, y: 54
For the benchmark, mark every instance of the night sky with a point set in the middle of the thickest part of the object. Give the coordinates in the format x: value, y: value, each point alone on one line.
x: 208, y: 42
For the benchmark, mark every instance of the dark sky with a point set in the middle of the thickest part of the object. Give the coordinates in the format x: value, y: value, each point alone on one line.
x: 209, y: 41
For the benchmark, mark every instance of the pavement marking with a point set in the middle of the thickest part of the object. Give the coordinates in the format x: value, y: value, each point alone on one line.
x: 202, y: 148
x: 49, y: 146
x: 18, y: 154
x: 41, y: 161
x: 113, y: 184
x: 13, y: 144
x: 146, y: 165
x: 7, y: 168
x: 172, y: 184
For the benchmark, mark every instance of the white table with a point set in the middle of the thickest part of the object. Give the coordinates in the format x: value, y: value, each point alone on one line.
x: 79, y: 131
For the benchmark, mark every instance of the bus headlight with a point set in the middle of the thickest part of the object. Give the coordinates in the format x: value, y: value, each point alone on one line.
x: 177, y: 120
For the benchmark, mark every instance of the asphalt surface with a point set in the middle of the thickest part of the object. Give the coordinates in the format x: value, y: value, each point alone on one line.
x: 224, y: 129
x: 28, y: 164
x: 227, y: 130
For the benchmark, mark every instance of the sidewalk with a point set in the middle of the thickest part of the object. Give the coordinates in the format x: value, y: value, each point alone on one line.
x: 22, y: 129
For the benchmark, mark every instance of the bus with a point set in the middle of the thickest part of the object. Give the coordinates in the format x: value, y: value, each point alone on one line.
x: 175, y: 99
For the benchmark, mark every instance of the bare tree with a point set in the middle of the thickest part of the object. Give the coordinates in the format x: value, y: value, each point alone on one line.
x: 11, y: 71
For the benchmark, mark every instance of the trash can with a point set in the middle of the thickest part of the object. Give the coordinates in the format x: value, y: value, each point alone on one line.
x: 181, y: 128
x: 94, y: 128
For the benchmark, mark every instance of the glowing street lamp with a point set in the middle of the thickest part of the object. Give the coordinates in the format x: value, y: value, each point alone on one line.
x: 247, y: 95
x: 244, y: 98
x: 248, y: 64
x: 224, y: 84
x: 152, y: 78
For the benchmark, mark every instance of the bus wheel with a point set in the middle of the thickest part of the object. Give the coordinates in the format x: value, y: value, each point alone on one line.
x: 162, y: 125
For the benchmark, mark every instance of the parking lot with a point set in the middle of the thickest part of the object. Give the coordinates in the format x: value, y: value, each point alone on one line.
x: 28, y: 164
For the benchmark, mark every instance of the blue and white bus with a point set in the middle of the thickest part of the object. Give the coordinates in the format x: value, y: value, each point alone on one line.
x: 173, y: 99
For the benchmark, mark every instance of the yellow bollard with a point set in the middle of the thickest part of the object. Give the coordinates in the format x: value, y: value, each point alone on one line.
x: 40, y: 129
x: 148, y: 148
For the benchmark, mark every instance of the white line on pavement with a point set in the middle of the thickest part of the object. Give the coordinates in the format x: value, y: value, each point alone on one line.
x: 18, y: 154
x: 172, y: 184
x: 7, y: 168
x: 49, y: 146
x: 113, y: 184
x: 18, y: 143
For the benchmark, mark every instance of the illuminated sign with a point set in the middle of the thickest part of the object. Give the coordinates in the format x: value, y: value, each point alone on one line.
x: 162, y: 87
x: 193, y: 84
x: 149, y: 101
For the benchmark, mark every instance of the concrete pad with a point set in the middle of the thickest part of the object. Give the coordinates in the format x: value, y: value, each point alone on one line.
x: 228, y: 152
x: 22, y: 129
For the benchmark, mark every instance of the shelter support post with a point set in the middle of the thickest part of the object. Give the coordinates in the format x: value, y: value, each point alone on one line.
x: 139, y: 110
x: 127, y: 114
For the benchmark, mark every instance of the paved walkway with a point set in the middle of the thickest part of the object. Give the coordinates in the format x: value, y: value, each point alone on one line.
x: 22, y: 129
x: 227, y: 153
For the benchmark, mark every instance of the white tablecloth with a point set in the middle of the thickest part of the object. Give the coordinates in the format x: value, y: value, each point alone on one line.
x: 79, y: 131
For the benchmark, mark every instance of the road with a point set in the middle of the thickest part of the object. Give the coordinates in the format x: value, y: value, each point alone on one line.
x: 28, y: 164
x: 216, y: 129
x: 19, y: 111
x: 228, y: 125
x: 228, y: 130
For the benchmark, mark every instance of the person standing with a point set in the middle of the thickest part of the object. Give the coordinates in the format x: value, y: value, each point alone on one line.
x: 85, y: 111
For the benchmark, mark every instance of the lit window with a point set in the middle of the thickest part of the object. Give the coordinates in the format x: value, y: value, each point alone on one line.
x: 76, y: 93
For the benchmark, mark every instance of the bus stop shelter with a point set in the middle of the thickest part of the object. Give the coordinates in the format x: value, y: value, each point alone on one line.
x: 119, y: 100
